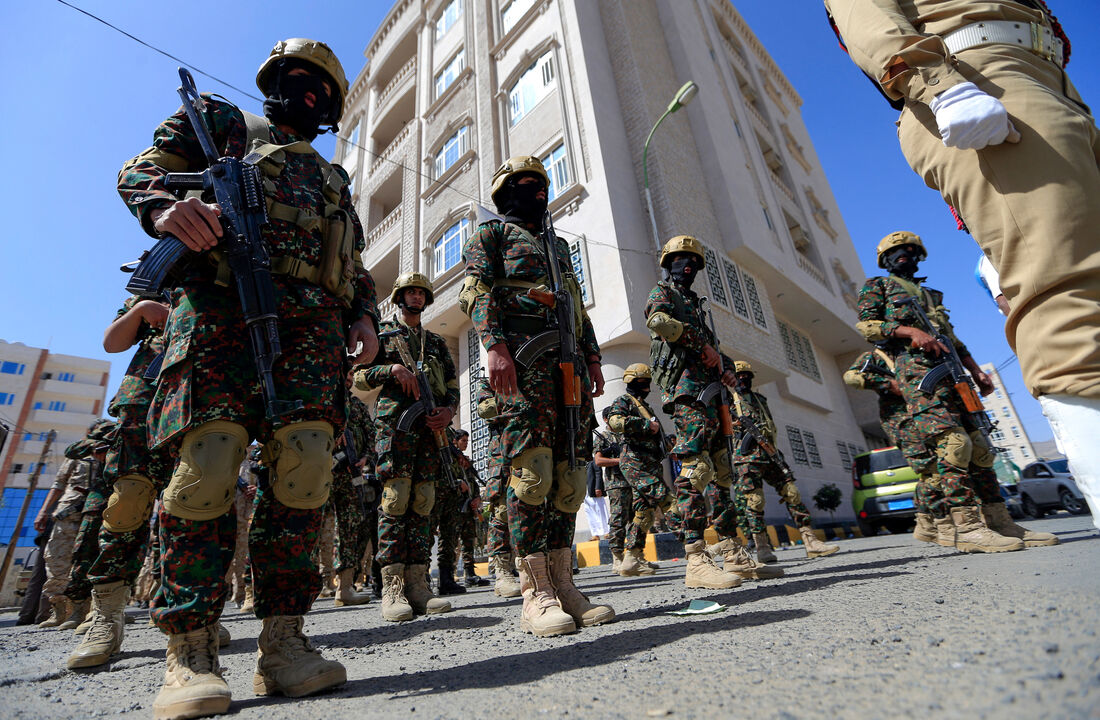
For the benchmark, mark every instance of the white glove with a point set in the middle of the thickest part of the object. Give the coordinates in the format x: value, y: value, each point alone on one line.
x: 969, y: 119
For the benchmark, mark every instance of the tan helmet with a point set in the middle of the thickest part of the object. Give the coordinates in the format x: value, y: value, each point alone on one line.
x: 515, y: 166
x: 740, y: 366
x: 316, y: 53
x: 894, y: 239
x: 682, y: 244
x: 412, y: 279
x: 637, y: 371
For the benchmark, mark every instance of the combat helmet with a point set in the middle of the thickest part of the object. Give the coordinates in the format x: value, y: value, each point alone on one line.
x: 412, y: 279
x: 682, y: 244
x: 637, y: 371
x: 896, y: 239
x: 315, y: 53
x: 514, y: 166
x: 740, y: 366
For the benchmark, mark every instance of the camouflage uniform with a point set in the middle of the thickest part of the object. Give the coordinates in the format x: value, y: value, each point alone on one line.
x: 497, y: 540
x: 86, y: 545
x: 466, y: 528
x: 72, y: 479
x: 933, y: 416
x: 208, y: 373
x: 508, y: 259
x: 445, y: 521
x: 351, y: 515
x: 404, y: 523
x: 620, y: 496
x: 642, y: 455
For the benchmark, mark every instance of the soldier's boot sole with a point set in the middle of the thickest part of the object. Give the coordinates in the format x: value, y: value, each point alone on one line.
x: 822, y: 553
x: 192, y: 708
x: 264, y: 685
x: 709, y: 585
x: 970, y: 547
x: 508, y: 592
x: 766, y: 572
x: 545, y: 630
x: 398, y: 614
x: 1045, y: 542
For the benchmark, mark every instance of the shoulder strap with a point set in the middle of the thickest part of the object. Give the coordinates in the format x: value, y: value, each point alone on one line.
x: 256, y: 128
x: 641, y: 407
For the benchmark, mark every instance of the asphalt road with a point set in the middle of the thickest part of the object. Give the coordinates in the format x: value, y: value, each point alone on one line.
x: 887, y: 628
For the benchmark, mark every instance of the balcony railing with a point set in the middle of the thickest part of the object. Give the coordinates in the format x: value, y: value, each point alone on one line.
x: 778, y: 181
x: 386, y: 309
x: 810, y: 269
x: 383, y: 161
x: 388, y: 223
x: 395, y: 82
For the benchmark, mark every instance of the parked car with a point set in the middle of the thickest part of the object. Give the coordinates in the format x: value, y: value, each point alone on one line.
x: 883, y: 491
x: 1047, y: 485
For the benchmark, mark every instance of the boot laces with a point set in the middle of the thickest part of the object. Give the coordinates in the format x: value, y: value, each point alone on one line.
x: 287, y: 632
x: 394, y: 590
x: 195, y: 653
x: 101, y: 628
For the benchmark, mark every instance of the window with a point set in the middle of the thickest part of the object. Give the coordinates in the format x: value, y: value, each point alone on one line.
x: 511, y: 11
x: 577, y: 260
x: 768, y: 219
x: 479, y: 430
x: 1006, y: 412
x: 1015, y: 431
x: 450, y: 16
x: 57, y: 406
x: 557, y: 167
x: 799, y: 351
x: 811, y: 448
x: 9, y: 513
x: 454, y: 148
x: 845, y: 456
x: 12, y: 368
x: 997, y: 435
x: 448, y: 249
x: 754, y: 301
x: 7, y: 398
x: 448, y: 74
x: 28, y: 436
x: 38, y: 406
x: 66, y: 377
x: 533, y: 85
x: 17, y: 468
x: 714, y: 276
x: 797, y: 448
x: 1024, y: 452
x: 733, y: 279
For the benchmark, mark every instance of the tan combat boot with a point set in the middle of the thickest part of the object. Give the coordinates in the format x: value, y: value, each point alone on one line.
x: 345, y: 590
x: 971, y: 534
x: 814, y: 547
x: 572, y: 600
x: 505, y: 585
x: 328, y: 585
x: 945, y: 531
x: 61, y: 607
x: 193, y: 685
x: 288, y: 665
x: 617, y: 561
x: 634, y: 564
x: 395, y: 607
x: 224, y: 638
x: 703, y: 573
x: 737, y: 561
x: 104, y: 637
x: 420, y: 596
x: 77, y: 617
x: 764, y: 552
x: 249, y: 604
x: 999, y: 521
x: 925, y: 529
x: 542, y: 614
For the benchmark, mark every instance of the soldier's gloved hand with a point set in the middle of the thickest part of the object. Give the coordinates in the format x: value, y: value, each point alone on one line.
x: 710, y: 356
x: 194, y: 222
x: 970, y: 119
x: 406, y: 380
x: 729, y: 378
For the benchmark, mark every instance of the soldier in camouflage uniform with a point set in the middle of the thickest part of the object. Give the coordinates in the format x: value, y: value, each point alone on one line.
x: 445, y: 524
x: 507, y: 275
x: 685, y: 357
x: 498, y: 542
x: 93, y: 449
x: 348, y: 499
x: 756, y: 467
x: 469, y: 509
x: 209, y: 402
x: 964, y: 457
x: 409, y: 463
x: 620, y: 498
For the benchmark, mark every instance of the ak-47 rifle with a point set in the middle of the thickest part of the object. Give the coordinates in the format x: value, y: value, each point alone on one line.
x: 237, y: 188
x: 423, y: 406
x: 721, y: 393
x: 951, y: 366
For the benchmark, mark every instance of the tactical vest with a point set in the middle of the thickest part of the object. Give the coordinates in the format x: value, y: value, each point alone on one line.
x: 666, y: 359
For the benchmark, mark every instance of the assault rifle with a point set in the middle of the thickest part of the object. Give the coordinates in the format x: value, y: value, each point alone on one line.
x: 237, y: 188
x: 752, y: 436
x: 722, y: 393
x: 951, y: 366
x: 869, y: 365
x: 425, y: 405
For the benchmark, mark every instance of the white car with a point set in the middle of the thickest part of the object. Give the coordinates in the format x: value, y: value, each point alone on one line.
x: 1047, y: 485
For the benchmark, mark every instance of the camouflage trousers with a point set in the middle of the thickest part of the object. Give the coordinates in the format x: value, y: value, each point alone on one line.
x: 467, y: 536
x: 538, y: 528
x: 406, y: 538
x: 751, y: 478
x: 197, y: 553
x: 696, y: 434
x: 326, y: 544
x: 497, y: 540
x: 86, y: 546
x: 728, y: 511
x: 445, y: 522
x: 239, y: 575
x: 928, y: 497
x: 621, y: 511
x: 59, y: 554
x: 648, y: 490
x: 351, y: 522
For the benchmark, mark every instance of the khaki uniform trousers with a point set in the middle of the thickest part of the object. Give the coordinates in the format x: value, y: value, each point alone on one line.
x: 59, y: 554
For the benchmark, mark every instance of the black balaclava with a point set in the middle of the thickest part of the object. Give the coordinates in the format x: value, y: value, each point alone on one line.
x: 405, y: 306
x: 902, y: 260
x: 285, y: 102
x: 743, y: 382
x: 519, y: 200
x: 684, y: 268
x: 639, y: 387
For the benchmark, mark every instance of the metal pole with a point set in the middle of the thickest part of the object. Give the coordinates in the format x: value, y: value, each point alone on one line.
x: 26, y: 504
x: 645, y: 181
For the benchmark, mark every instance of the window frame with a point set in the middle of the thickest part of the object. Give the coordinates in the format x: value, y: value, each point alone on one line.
x: 462, y: 232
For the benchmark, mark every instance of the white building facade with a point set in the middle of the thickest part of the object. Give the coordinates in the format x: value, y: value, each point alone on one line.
x: 1010, y: 433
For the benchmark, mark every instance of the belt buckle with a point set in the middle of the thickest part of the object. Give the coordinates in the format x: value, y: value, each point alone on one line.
x: 1042, y: 41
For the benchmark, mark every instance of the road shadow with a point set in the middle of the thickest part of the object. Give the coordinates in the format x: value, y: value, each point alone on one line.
x: 397, y: 632
x: 873, y: 565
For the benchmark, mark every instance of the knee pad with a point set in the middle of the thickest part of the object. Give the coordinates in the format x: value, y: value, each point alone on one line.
x: 723, y: 472
x: 130, y: 505
x: 698, y: 470
x: 424, y: 498
x: 300, y: 458
x: 571, y: 488
x: 532, y: 475
x: 982, y: 455
x: 755, y: 500
x: 789, y: 493
x: 643, y: 521
x: 954, y: 447
x: 395, y: 495
x: 203, y: 486
x: 500, y: 512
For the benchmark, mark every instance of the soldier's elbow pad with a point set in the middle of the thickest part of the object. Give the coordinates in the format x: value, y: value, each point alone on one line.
x: 487, y: 409
x: 395, y: 496
x: 472, y: 288
x: 854, y: 378
x: 617, y: 423
x: 667, y: 327
x: 532, y: 475
x: 424, y: 498
x: 300, y: 457
x: 130, y: 505
x: 571, y: 488
x: 203, y: 486
x: 871, y: 330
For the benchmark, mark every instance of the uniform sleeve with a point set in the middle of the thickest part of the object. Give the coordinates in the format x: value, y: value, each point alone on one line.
x: 871, y: 311
x: 691, y: 339
x: 61, y: 481
x: 378, y: 372
x: 587, y: 341
x: 479, y: 254
x: 365, y: 303
x: 884, y: 44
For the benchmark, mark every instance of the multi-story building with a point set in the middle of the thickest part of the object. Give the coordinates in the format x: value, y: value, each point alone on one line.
x: 1010, y: 433
x: 42, y: 391
x: 454, y: 87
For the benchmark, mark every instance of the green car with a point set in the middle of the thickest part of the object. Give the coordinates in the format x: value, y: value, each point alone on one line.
x: 883, y: 491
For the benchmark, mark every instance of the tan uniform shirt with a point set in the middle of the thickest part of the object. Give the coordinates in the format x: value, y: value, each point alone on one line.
x: 73, y: 477
x: 881, y: 33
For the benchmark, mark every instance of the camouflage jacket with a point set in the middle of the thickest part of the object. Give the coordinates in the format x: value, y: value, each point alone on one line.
x: 423, y: 343
x: 361, y: 426
x: 755, y: 406
x: 685, y: 306
x: 135, y: 389
x: 638, y: 440
x: 505, y: 260
x: 464, y: 470
x: 610, y: 445
x: 879, y: 317
x: 890, y: 404
x: 298, y: 185
x: 73, y: 480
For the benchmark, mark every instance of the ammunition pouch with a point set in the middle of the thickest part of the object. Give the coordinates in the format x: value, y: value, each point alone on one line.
x: 130, y: 505
x: 300, y: 458
x: 698, y: 471
x: 532, y: 475
x: 204, y: 483
x: 955, y: 448
x: 423, y: 499
x: 571, y: 488
x: 667, y: 363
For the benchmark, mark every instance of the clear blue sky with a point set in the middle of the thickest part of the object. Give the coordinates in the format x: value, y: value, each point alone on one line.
x: 80, y: 99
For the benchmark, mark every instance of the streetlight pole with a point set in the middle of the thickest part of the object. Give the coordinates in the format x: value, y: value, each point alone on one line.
x: 684, y: 95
